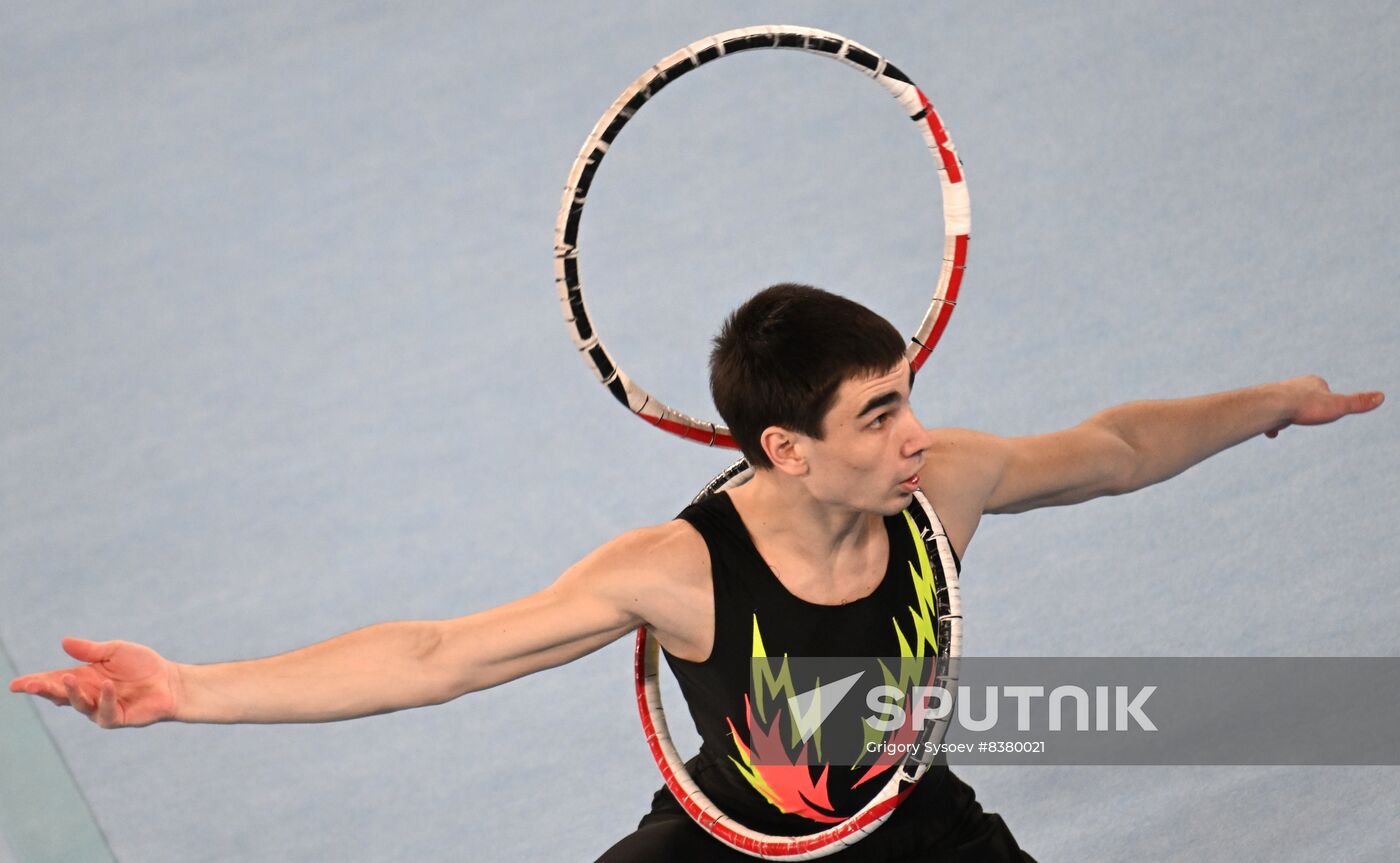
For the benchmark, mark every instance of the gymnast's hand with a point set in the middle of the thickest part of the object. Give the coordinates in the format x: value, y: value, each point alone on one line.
x: 122, y: 684
x: 1313, y: 403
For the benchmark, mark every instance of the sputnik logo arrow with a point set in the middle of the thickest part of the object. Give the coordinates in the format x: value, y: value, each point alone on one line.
x: 811, y: 708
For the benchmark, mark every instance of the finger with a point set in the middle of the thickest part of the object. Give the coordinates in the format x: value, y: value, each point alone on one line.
x: 88, y: 651
x: 107, y: 705
x: 29, y: 684
x: 76, y: 697
x: 40, y: 688
x: 1362, y: 402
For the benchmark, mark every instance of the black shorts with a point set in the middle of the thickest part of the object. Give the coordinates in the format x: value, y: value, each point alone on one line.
x: 940, y: 821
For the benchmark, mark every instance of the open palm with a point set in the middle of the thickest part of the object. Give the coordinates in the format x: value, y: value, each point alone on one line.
x: 120, y: 683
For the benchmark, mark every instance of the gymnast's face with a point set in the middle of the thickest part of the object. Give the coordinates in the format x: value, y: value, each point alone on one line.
x: 872, y: 445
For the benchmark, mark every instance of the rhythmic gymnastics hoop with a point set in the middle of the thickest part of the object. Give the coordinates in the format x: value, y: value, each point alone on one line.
x: 905, y: 773
x: 957, y: 219
x: 957, y: 226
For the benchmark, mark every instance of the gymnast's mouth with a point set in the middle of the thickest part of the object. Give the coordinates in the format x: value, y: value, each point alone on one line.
x: 910, y: 484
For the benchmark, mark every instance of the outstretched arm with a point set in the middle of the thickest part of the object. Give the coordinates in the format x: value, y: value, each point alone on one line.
x: 381, y: 668
x: 1132, y: 446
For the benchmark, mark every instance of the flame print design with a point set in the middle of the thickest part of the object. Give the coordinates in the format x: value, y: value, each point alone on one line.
x: 782, y: 773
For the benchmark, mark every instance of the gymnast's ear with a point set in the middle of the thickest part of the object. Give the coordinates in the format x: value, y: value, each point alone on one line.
x: 783, y: 448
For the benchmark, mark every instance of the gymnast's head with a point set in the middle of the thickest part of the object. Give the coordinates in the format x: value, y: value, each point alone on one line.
x: 780, y: 359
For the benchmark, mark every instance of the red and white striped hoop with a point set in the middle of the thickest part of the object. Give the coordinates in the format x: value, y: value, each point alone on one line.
x: 957, y: 217
x: 904, y: 774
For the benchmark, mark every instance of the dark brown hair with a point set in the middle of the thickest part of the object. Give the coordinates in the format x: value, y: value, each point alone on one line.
x: 781, y: 356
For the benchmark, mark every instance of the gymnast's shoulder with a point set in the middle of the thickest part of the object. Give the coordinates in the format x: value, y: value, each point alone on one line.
x: 658, y: 574
x: 665, y: 551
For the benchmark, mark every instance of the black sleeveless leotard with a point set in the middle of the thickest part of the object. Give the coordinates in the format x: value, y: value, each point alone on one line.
x: 755, y: 615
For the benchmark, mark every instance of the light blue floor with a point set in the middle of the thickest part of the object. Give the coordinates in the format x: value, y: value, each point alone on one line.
x: 282, y: 357
x: 43, y: 815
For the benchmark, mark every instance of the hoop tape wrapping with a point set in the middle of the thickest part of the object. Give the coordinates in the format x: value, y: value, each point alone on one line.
x: 957, y: 218
x: 904, y: 774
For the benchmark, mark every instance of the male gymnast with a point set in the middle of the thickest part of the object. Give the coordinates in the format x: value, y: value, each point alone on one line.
x: 806, y: 556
